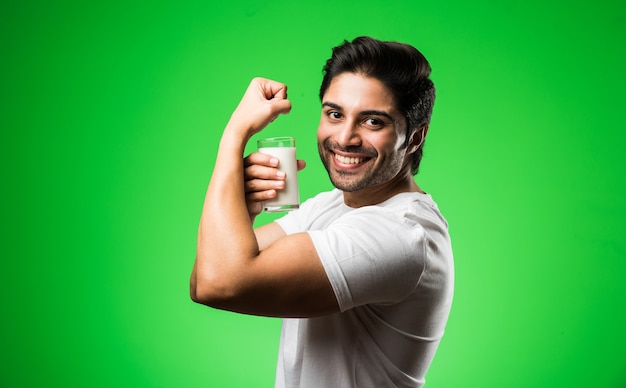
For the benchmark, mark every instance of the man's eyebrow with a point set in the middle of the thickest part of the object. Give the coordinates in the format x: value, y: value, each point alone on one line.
x: 331, y: 105
x: 377, y: 113
x: 369, y: 112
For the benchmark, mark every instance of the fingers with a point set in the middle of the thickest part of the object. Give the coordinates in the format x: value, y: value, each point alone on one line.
x: 263, y: 187
x: 271, y: 89
x: 281, y: 107
x: 276, y: 95
x: 262, y: 178
x: 262, y: 103
x: 260, y: 196
x: 261, y: 159
x: 265, y: 160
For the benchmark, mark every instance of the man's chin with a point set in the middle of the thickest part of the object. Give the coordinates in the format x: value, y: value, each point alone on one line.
x: 346, y: 185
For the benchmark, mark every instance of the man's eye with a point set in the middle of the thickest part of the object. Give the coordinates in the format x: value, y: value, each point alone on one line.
x: 334, y: 115
x: 373, y: 123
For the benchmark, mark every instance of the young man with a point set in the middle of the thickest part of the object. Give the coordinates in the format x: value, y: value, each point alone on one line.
x: 363, y: 274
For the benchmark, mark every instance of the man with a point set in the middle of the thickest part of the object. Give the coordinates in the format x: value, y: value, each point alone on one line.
x: 363, y: 274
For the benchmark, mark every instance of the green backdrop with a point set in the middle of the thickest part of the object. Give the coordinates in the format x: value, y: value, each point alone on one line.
x: 111, y: 113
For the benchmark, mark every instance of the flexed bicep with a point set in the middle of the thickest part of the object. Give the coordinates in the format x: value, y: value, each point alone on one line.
x: 287, y: 279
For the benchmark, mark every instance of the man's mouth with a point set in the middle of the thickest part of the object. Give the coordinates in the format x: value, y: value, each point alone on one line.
x: 348, y: 160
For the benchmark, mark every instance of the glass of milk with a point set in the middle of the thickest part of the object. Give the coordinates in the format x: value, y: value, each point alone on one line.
x: 284, y: 149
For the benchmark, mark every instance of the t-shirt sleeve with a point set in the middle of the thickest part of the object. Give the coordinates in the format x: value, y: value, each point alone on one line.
x: 295, y: 222
x: 290, y: 223
x: 371, y: 256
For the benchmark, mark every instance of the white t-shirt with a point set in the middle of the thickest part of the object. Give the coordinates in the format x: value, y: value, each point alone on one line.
x: 391, y: 268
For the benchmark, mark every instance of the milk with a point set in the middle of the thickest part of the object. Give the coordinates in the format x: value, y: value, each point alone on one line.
x: 287, y: 198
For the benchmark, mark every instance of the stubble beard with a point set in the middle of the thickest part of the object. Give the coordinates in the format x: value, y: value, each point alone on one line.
x: 367, y: 177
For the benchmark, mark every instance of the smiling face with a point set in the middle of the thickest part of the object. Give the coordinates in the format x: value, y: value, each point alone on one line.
x: 361, y: 135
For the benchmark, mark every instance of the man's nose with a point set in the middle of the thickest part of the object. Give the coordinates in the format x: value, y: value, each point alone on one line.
x: 349, y: 134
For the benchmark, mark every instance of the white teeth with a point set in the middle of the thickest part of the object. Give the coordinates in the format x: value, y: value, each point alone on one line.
x: 346, y: 160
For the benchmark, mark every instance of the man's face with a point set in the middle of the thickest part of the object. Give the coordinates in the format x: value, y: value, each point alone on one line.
x: 361, y: 134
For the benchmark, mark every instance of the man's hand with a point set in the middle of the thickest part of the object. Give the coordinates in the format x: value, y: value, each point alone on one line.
x: 262, y: 180
x: 263, y: 101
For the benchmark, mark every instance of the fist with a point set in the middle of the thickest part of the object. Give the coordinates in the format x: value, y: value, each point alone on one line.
x: 262, y: 102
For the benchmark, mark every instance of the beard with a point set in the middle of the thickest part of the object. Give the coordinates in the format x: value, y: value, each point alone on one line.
x: 376, y: 169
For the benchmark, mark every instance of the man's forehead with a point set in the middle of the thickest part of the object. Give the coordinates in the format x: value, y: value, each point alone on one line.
x: 349, y: 91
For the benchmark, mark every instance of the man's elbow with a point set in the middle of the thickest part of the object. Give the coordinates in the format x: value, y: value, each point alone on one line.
x: 211, y: 292
x: 192, y: 292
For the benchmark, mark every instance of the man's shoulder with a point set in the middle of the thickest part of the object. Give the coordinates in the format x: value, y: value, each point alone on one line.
x: 331, y: 198
x: 314, y: 213
x: 330, y: 195
x: 409, y: 208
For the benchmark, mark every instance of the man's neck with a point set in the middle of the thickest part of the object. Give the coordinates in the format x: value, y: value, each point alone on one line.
x: 380, y: 193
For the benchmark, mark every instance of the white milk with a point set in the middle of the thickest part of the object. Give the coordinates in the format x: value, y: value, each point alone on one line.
x: 287, y: 198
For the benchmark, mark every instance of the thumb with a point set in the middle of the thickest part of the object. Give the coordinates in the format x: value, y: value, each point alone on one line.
x: 281, y: 106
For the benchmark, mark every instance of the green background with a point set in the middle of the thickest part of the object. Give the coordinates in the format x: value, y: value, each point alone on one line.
x: 111, y: 113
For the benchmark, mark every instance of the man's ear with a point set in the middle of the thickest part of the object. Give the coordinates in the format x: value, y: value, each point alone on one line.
x: 417, y: 139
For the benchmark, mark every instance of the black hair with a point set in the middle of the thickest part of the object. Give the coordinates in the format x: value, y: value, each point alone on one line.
x: 400, y: 67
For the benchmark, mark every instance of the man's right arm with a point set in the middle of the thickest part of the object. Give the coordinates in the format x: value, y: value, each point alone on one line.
x: 263, y: 272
